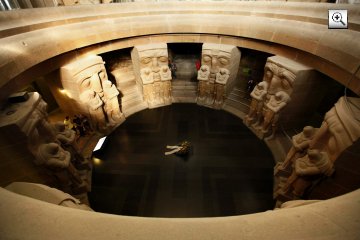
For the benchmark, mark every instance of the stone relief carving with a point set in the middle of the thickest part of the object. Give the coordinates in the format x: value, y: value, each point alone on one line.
x: 203, y: 73
x: 258, y: 98
x: 222, y: 76
x: 165, y: 73
x: 52, y: 145
x: 314, y: 151
x: 87, y: 82
x: 217, y: 73
x: 153, y: 73
x: 112, y: 108
x: 273, y: 95
x: 271, y: 112
x: 300, y: 145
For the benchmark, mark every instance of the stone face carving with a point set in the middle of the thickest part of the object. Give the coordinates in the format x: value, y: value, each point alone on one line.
x: 112, y: 108
x: 314, y: 151
x: 278, y: 77
x: 87, y: 83
x: 152, y: 73
x: 217, y: 73
x: 285, y: 80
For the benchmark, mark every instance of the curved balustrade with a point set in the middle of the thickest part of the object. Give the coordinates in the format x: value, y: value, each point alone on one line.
x: 36, y: 41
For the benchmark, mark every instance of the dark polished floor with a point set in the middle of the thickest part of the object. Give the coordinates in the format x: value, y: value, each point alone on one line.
x: 229, y: 171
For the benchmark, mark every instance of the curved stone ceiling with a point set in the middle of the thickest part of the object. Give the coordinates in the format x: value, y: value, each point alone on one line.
x: 36, y: 41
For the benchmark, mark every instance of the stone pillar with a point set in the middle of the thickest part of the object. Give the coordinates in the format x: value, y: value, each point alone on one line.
x: 314, y: 151
x: 89, y: 92
x: 46, y: 142
x: 217, y: 75
x: 295, y: 90
x: 152, y: 73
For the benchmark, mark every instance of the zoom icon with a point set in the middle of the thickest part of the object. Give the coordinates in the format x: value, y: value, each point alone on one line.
x: 338, y: 19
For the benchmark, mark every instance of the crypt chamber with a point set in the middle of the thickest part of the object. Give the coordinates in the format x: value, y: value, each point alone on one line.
x: 218, y: 119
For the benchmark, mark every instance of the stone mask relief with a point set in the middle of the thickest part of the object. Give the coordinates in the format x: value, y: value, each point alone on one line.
x: 279, y: 78
x: 87, y: 81
x: 154, y: 59
x: 151, y: 67
x: 215, y: 59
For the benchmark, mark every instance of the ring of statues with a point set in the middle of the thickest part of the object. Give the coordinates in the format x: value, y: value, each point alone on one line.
x: 278, y: 99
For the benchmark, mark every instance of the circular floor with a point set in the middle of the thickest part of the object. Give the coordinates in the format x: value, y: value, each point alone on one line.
x: 229, y: 172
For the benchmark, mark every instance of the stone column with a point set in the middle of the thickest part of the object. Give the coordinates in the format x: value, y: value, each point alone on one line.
x: 302, y: 86
x: 217, y: 74
x: 152, y: 73
x: 89, y: 92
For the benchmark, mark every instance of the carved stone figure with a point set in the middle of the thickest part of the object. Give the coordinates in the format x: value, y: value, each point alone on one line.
x: 63, y: 135
x: 66, y: 138
x: 300, y: 145
x: 270, y: 113
x: 272, y: 109
x: 293, y: 78
x: 340, y: 128
x: 95, y: 108
x: 152, y: 73
x: 147, y: 76
x: 257, y: 102
x: 222, y: 76
x: 314, y: 163
x: 203, y: 73
x: 55, y: 158
x: 112, y: 108
x: 167, y: 92
x: 219, y: 95
x: 52, y: 155
x: 220, y: 64
x: 165, y: 73
x: 84, y: 80
x: 279, y: 78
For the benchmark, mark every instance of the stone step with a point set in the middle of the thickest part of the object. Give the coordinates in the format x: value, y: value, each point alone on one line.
x: 242, y: 100
x: 184, y: 93
x: 122, y: 75
x: 183, y: 83
x: 135, y: 107
x: 126, y: 84
x: 239, y: 93
x: 239, y: 105
x: 184, y: 88
x: 131, y: 97
x: 183, y: 99
x: 240, y: 114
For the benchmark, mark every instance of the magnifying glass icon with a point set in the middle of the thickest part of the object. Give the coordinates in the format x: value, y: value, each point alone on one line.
x: 337, y: 17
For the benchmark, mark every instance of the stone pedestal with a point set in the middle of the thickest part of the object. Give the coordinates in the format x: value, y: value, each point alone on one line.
x: 217, y: 74
x: 152, y: 73
x: 299, y: 87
